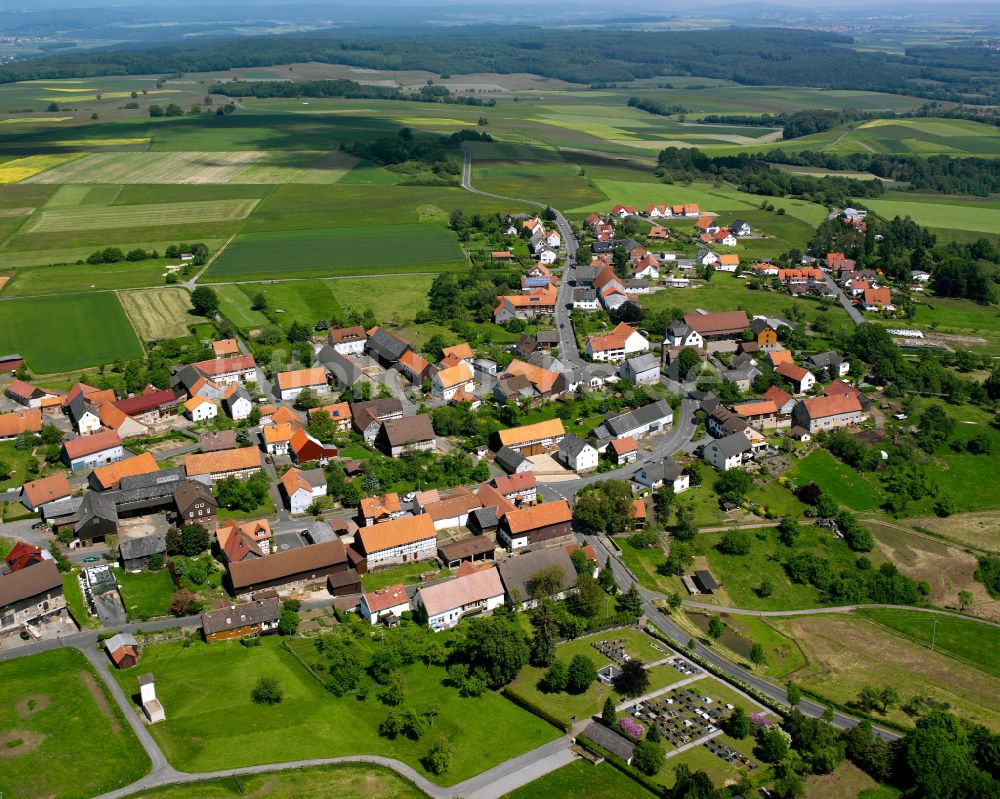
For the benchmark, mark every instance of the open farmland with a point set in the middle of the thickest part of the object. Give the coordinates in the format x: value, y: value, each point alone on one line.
x: 205, y: 167
x: 846, y: 652
x: 359, y: 251
x: 137, y: 216
x: 159, y: 313
x: 940, y: 215
x: 34, y: 281
x: 19, y: 169
x: 68, y: 331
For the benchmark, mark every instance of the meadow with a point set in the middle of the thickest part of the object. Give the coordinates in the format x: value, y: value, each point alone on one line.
x: 345, y: 251
x: 68, y: 331
x: 212, y: 722
x: 159, y: 313
x: 146, y: 594
x: 845, y: 652
x: 842, y: 483
x: 136, y: 216
x: 62, y: 734
x: 40, y: 280
x: 343, y: 781
x: 582, y: 780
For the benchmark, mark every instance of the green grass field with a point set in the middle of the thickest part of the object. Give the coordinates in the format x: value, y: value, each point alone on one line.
x: 212, y: 723
x: 558, y: 184
x: 18, y: 460
x: 343, y: 781
x: 948, y: 215
x: 970, y: 641
x: 160, y: 313
x: 318, y: 253
x: 842, y: 483
x: 136, y: 216
x: 62, y: 734
x: 41, y: 329
x: 41, y: 280
x: 979, y: 324
x: 581, y: 780
x: 145, y: 594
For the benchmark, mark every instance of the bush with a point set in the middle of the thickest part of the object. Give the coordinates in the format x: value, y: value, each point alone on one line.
x: 439, y: 756
x: 648, y: 757
x: 735, y: 542
x: 554, y: 679
x: 288, y: 622
x: 267, y: 691
x: 581, y: 674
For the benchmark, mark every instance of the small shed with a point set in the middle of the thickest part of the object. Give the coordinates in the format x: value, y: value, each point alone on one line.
x: 705, y: 581
x: 123, y: 650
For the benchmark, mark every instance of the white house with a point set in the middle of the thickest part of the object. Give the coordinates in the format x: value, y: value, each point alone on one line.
x: 584, y: 299
x: 547, y: 256
x: 576, y: 453
x: 553, y: 239
x: 390, y: 601
x: 643, y: 370
x: 236, y: 402
x: 291, y: 384
x: 199, y: 409
x: 666, y: 472
x: 617, y: 345
x: 706, y: 258
x: 447, y: 382
x: 89, y: 452
x: 348, y: 340
x: 447, y: 602
x: 404, y: 540
x: 302, y: 488
x: 729, y: 240
x: 84, y: 416
x: 681, y: 334
x: 729, y: 452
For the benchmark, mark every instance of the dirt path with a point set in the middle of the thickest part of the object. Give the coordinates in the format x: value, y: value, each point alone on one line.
x: 102, y: 701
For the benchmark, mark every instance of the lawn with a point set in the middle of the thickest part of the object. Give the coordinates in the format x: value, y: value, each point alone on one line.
x: 342, y: 781
x: 566, y: 706
x: 17, y: 459
x: 212, y: 723
x: 408, y: 574
x: 145, y: 594
x: 975, y: 643
x: 739, y: 575
x: 843, y: 484
x: 845, y: 652
x: 324, y: 252
x: 782, y: 653
x: 643, y: 564
x: 846, y: 781
x: 160, y: 313
x: 74, y: 601
x: 42, y: 253
x: 39, y: 328
x: 582, y: 780
x: 62, y: 733
x: 950, y: 316
x: 558, y: 184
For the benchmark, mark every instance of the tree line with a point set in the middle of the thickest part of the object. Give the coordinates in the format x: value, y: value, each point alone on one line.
x: 341, y: 87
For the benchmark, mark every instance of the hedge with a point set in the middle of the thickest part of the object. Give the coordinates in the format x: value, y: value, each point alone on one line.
x: 653, y: 787
x: 531, y: 707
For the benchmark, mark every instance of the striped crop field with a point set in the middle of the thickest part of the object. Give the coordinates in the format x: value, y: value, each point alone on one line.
x: 202, y: 167
x: 159, y: 313
x: 139, y: 216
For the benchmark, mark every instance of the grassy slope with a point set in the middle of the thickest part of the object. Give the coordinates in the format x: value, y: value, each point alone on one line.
x: 842, y: 483
x: 84, y: 745
x: 582, y: 780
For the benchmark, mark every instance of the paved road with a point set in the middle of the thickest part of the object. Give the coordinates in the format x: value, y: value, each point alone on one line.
x: 837, y: 609
x: 852, y: 310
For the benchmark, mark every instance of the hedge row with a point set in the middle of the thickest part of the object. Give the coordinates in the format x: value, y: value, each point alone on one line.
x: 531, y: 707
x: 653, y: 787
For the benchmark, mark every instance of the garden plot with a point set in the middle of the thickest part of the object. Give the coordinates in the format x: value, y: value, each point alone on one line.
x: 141, y: 216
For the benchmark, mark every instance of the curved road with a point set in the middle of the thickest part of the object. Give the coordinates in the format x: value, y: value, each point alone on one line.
x: 835, y: 609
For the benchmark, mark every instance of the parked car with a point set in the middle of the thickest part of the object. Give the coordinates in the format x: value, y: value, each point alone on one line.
x: 91, y: 559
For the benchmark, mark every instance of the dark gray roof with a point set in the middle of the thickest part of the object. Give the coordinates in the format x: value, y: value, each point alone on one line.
x: 77, y: 407
x: 643, y: 363
x: 738, y: 223
x: 340, y: 367
x: 96, y: 505
x: 239, y: 393
x: 636, y: 283
x: 132, y: 548
x: 584, y: 295
x: 516, y: 572
x: 732, y: 444
x: 601, y: 246
x: 386, y: 345
x: 706, y: 580
x: 191, y: 490
x: 217, y: 440
x: 509, y: 459
x: 486, y: 518
x: 117, y: 641
x: 665, y: 470
x: 824, y: 360
x: 678, y: 328
x: 572, y: 445
x: 710, y: 403
x: 623, y: 423
x: 187, y: 376
x: 758, y: 324
x: 585, y: 275
x: 381, y: 408
x: 547, y: 336
x: 608, y: 739
x: 628, y: 244
x: 315, y: 477
x: 29, y: 582
x: 169, y: 479
x: 242, y: 615
x: 320, y: 531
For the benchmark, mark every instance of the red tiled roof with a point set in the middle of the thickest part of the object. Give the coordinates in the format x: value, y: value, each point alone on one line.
x: 88, y: 445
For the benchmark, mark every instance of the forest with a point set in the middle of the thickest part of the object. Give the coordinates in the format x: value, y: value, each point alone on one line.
x: 752, y: 56
x: 342, y: 88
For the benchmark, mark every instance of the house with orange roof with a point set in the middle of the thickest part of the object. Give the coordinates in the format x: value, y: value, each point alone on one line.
x: 225, y: 347
x: 706, y: 224
x: 306, y: 448
x: 13, y: 424
x: 446, y: 382
x: 302, y: 488
x: 760, y: 414
x: 113, y: 418
x: 240, y: 540
x: 537, y: 524
x: 200, y: 409
x: 877, y: 299
x: 776, y: 357
x: 828, y: 412
x: 520, y: 488
x: 801, y: 379
x: 624, y: 450
x: 89, y: 452
x: 415, y: 366
x: 536, y: 303
x: 285, y: 415
x: 107, y: 478
x: 646, y: 267
x: 546, y: 383
x: 293, y: 383
x: 33, y: 397
x: 658, y: 232
x: 382, y: 602
x: 658, y: 211
x: 339, y: 413
x: 37, y: 494
x: 725, y: 237
x: 379, y: 509
x: 617, y: 345
x: 405, y: 540
x: 532, y: 439
x: 782, y: 400
x: 623, y: 211
x: 208, y: 467
x: 727, y: 262
x: 461, y: 351
x: 234, y: 369
x: 277, y: 438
